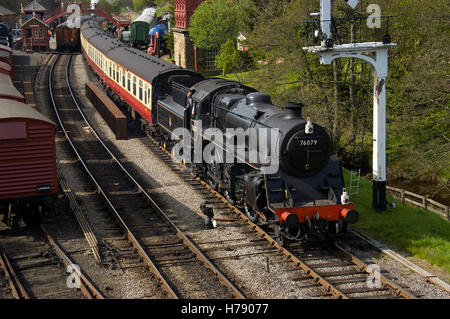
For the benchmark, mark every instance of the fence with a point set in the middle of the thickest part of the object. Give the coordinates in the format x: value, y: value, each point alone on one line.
x: 205, y: 61
x: 420, y: 201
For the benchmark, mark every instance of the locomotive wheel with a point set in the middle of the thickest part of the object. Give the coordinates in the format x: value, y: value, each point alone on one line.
x: 344, y: 227
x: 281, y: 241
x: 228, y: 197
x: 212, y: 183
x: 252, y: 216
x: 279, y: 238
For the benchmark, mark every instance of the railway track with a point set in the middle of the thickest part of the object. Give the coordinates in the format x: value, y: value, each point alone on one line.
x: 350, y: 276
x: 357, y: 238
x: 142, y: 232
x: 34, y: 266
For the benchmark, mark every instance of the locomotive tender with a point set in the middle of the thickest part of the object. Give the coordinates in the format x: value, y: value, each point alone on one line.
x: 304, y: 198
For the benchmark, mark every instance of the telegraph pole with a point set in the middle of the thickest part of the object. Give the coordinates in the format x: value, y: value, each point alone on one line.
x: 376, y: 54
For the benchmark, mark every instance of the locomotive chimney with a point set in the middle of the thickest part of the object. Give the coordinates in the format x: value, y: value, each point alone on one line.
x: 293, y: 110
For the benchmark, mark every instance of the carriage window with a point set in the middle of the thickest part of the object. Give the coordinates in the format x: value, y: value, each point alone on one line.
x: 149, y: 97
x: 140, y: 91
x: 129, y: 82
x: 134, y: 85
x: 145, y: 93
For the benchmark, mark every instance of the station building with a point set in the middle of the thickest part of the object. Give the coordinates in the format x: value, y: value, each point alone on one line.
x: 35, y: 35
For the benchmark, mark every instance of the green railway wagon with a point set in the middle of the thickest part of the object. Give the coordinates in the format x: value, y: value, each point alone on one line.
x: 140, y: 27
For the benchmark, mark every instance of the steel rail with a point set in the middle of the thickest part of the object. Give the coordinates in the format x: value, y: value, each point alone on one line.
x: 87, y: 287
x: 81, y: 219
x: 397, y: 289
x: 389, y: 252
x: 134, y: 241
x: 19, y: 292
x: 17, y: 288
x: 156, y: 207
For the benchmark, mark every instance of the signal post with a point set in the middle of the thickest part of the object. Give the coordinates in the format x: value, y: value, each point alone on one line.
x: 376, y: 54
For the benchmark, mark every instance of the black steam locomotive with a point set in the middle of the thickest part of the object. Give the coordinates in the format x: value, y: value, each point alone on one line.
x: 304, y: 195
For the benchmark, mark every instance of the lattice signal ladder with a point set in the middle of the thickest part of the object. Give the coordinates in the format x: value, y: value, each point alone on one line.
x: 355, y: 177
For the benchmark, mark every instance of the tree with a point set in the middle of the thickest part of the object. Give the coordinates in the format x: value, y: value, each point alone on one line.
x: 228, y: 57
x: 232, y: 60
x: 111, y: 5
x: 216, y: 21
x: 138, y: 5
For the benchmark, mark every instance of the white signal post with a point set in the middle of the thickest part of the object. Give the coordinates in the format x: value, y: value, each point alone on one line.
x: 376, y: 54
x: 325, y: 20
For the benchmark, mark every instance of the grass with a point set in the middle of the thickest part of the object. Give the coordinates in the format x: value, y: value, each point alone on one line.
x: 415, y: 231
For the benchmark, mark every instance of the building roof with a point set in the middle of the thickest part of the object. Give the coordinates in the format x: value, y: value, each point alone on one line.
x: 34, y: 6
x: 36, y: 19
x: 12, y: 109
x: 5, y: 66
x: 4, y: 54
x: 7, y: 89
x: 147, y: 16
x: 5, y: 48
x: 5, y: 11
